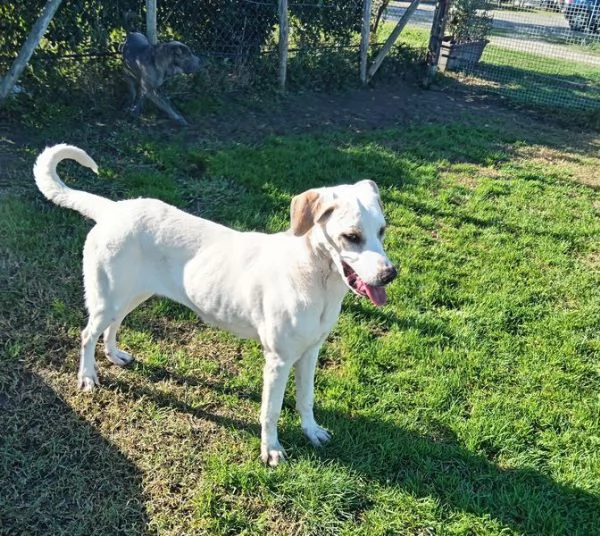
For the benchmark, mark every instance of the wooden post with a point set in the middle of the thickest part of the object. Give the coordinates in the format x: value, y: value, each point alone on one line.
x: 435, y: 40
x: 365, y: 33
x: 283, y: 42
x: 151, y: 32
x: 393, y: 37
x: 32, y: 41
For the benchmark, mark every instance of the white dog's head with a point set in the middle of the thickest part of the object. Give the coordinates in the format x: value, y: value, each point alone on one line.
x: 349, y: 223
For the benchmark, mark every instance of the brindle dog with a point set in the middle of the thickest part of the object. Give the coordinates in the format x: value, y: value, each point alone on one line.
x: 147, y: 67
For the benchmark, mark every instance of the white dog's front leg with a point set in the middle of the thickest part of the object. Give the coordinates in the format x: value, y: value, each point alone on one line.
x: 276, y: 373
x: 305, y: 393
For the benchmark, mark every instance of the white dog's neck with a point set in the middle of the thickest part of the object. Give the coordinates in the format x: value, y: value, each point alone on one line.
x: 324, y: 265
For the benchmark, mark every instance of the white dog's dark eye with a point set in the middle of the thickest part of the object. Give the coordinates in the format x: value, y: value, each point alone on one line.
x: 353, y: 238
x: 381, y: 232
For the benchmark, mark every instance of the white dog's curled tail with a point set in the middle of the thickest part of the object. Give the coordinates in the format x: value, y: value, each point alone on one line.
x: 50, y: 184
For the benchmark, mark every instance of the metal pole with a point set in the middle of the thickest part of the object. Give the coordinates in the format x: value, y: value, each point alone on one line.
x: 364, y: 39
x: 283, y: 42
x: 151, y: 32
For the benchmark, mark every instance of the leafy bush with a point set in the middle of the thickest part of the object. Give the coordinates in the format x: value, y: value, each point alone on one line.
x: 327, y: 21
x: 469, y: 20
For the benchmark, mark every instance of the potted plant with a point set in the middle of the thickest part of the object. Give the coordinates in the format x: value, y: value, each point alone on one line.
x: 469, y: 23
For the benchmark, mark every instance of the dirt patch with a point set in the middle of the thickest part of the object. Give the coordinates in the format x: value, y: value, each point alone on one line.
x: 363, y: 109
x: 397, y: 104
x: 12, y: 142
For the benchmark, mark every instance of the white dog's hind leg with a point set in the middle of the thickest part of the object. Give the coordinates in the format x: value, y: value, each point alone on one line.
x: 109, y: 297
x: 275, y: 376
x: 114, y: 355
x: 88, y: 376
x: 305, y: 376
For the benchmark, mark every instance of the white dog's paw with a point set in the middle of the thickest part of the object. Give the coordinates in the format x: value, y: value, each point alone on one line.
x: 119, y: 358
x: 272, y: 455
x: 87, y: 382
x: 316, y: 435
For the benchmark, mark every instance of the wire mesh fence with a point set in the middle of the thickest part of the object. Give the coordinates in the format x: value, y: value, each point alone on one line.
x: 323, y: 41
x: 542, y: 52
x: 545, y: 53
x: 539, y: 52
x: 238, y: 39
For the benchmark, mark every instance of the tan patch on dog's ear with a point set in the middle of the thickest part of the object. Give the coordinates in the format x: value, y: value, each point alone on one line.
x: 306, y: 210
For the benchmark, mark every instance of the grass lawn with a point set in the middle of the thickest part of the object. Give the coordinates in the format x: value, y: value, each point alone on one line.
x: 469, y: 404
x: 524, y: 78
x: 559, y: 85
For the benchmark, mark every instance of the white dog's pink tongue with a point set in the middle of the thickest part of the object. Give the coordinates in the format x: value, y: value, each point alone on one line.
x: 377, y: 295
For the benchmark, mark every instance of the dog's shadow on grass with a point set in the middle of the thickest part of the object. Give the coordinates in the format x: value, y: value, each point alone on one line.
x: 154, y: 373
x: 439, y: 467
x: 425, y: 466
x: 58, y: 474
x: 386, y: 317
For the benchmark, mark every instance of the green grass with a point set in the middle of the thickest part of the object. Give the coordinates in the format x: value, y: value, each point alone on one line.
x: 567, y: 42
x: 467, y: 405
x: 566, y: 90
x: 539, y: 64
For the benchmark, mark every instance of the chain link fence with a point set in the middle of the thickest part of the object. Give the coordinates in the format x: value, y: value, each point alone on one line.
x: 546, y: 53
x: 540, y: 52
x: 239, y: 40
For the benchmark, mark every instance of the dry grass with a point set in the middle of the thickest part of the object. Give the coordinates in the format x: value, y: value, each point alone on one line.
x: 582, y: 164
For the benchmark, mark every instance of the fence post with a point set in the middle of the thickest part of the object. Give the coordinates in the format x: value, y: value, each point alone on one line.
x: 387, y: 46
x: 151, y: 32
x: 28, y: 48
x: 283, y: 42
x: 435, y: 40
x: 365, y: 33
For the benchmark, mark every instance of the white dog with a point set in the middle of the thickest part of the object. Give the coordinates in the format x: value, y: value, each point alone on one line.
x: 283, y: 289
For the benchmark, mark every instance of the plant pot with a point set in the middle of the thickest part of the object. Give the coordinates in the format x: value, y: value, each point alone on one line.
x: 460, y: 56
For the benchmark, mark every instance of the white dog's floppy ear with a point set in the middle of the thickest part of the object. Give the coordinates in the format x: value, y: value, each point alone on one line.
x: 306, y: 210
x: 371, y: 184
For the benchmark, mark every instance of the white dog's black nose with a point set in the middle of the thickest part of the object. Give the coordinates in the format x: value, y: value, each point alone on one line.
x: 387, y: 275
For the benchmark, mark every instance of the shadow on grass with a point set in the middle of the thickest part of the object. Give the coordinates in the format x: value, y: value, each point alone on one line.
x: 573, y: 98
x: 524, y: 499
x: 172, y: 401
x: 57, y: 474
x: 424, y: 466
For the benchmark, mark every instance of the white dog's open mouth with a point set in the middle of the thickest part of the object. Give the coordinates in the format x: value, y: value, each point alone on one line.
x: 377, y: 295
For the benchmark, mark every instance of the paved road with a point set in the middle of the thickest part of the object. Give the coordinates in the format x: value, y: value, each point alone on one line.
x: 527, y: 31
